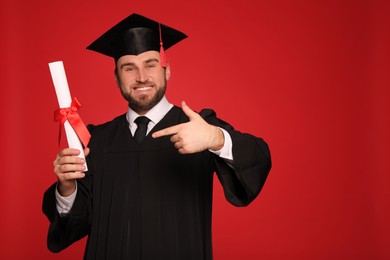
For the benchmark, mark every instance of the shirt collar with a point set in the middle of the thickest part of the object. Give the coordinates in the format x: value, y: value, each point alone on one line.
x: 155, y: 114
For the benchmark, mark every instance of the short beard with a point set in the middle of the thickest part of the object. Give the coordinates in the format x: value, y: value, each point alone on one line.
x: 144, y: 105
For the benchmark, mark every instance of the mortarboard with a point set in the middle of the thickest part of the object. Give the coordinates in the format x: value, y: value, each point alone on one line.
x: 135, y: 35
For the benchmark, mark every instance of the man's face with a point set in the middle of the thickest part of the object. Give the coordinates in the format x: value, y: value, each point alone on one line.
x: 142, y: 80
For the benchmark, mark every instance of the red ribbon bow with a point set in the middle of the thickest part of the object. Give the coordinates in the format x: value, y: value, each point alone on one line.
x: 71, y: 114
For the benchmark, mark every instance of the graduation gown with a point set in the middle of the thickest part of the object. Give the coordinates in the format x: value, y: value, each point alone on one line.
x: 146, y: 201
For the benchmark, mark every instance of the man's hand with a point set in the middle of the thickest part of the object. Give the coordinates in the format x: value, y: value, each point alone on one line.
x: 194, y: 136
x: 68, y: 167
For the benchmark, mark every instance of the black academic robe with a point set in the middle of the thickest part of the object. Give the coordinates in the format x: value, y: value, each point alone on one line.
x: 147, y: 201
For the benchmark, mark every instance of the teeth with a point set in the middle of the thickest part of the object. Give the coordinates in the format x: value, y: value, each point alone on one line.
x: 144, y: 88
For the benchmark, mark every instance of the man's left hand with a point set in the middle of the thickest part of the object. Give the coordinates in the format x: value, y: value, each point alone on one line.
x: 194, y: 136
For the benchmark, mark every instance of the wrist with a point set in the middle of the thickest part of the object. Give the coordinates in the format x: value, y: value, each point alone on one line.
x: 66, y: 188
x: 218, y: 139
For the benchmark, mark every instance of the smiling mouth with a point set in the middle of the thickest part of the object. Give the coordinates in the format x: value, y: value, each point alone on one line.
x: 143, y: 88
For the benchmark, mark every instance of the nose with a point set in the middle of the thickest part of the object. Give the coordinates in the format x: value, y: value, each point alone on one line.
x: 141, y: 77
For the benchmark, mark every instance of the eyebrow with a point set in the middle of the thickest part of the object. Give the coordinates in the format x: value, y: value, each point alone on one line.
x: 127, y: 64
x: 151, y: 60
x: 132, y: 63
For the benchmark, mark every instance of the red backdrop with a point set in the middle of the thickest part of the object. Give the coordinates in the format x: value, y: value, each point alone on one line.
x: 310, y: 77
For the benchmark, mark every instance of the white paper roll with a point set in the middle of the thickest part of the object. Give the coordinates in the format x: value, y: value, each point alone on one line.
x: 65, y: 100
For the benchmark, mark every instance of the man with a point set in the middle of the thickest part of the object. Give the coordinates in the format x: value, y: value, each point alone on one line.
x: 149, y: 197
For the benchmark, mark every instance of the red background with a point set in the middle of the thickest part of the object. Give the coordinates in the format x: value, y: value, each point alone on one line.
x: 310, y: 77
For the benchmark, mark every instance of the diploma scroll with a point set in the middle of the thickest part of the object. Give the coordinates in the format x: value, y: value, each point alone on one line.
x: 64, y: 100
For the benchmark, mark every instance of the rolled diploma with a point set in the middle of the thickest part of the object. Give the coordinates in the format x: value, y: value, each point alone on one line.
x: 64, y: 100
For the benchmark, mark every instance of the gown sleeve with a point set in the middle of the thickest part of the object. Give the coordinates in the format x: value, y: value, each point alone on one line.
x: 252, y: 163
x: 71, y: 227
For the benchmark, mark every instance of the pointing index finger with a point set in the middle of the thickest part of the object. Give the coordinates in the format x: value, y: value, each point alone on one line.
x: 167, y: 131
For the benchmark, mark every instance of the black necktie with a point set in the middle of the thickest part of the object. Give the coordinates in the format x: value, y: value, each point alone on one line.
x: 142, y: 126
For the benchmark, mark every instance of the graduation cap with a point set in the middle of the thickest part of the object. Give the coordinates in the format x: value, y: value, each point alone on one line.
x: 135, y: 35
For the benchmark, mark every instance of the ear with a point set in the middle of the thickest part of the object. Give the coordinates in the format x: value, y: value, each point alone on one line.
x: 116, y: 77
x: 168, y: 72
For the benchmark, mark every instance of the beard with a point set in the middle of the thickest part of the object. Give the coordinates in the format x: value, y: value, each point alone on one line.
x: 144, y: 103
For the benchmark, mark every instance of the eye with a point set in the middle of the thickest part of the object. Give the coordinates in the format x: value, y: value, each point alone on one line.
x: 150, y: 65
x: 129, y: 68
